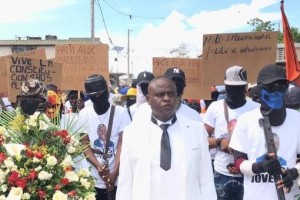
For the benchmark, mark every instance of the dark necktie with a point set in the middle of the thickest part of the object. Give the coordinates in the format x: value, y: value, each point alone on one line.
x: 165, y: 147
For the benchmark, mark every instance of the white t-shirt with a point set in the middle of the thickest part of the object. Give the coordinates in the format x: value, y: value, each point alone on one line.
x: 248, y: 137
x: 215, y: 117
x: 91, y: 121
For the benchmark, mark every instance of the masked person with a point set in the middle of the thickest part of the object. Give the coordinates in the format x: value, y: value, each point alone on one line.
x: 178, y: 76
x: 220, y: 119
x: 33, y: 97
x: 104, y: 166
x: 142, y: 83
x: 249, y: 143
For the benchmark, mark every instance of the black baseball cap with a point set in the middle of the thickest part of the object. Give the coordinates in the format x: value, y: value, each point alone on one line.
x: 270, y: 74
x: 95, y: 83
x: 175, y: 73
x: 144, y: 77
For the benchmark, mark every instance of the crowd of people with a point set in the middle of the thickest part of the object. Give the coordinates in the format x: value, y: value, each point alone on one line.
x: 146, y: 142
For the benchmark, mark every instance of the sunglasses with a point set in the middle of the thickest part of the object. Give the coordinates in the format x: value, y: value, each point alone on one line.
x: 281, y: 86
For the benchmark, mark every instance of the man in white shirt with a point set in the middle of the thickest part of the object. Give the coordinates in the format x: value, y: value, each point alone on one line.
x: 220, y: 119
x: 153, y: 169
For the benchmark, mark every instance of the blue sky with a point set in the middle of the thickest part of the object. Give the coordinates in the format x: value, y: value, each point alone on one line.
x: 156, y: 26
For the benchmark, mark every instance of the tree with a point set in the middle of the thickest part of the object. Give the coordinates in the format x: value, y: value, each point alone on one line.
x: 260, y: 25
x: 181, y: 51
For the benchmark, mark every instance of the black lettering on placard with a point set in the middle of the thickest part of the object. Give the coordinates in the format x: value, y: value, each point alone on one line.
x: 23, y: 68
x: 160, y: 62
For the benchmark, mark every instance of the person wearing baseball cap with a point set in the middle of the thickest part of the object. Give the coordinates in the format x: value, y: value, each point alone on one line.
x: 248, y: 141
x: 220, y: 119
x: 178, y: 77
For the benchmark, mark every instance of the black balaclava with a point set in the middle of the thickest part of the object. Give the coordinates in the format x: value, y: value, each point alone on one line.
x: 235, y: 95
x: 29, y: 106
x: 130, y: 101
x: 101, y: 103
x: 272, y: 105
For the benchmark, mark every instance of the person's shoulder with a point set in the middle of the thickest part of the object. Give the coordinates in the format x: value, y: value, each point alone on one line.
x: 189, y: 112
x: 252, y: 103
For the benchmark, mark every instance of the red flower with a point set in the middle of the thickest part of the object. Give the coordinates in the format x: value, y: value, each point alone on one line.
x: 2, y: 157
x: 64, y: 181
x: 42, y: 194
x: 14, y: 176
x: 21, y: 182
x: 39, y: 155
x: 32, y: 174
x: 57, y: 187
x: 29, y: 153
x: 72, y: 193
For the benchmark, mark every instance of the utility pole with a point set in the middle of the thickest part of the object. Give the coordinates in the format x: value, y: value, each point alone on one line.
x: 92, y: 21
x: 128, y: 58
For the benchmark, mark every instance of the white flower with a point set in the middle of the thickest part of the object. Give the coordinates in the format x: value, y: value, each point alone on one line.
x: 37, y: 169
x: 26, y: 196
x: 84, y: 173
x: 43, y: 125
x: 43, y: 175
x: 2, y: 130
x: 85, y: 183
x: 14, y: 149
x: 15, y: 193
x: 2, y: 176
x: 67, y: 162
x: 71, y: 149
x: 58, y: 195
x: 3, y: 188
x: 74, y: 141
x: 51, y: 161
x: 90, y: 196
x: 35, y: 160
x: 71, y: 176
x: 9, y: 163
x: 2, y: 197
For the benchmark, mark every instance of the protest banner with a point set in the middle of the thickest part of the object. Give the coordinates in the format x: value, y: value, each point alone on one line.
x: 79, y: 61
x: 23, y: 68
x: 251, y: 50
x: 39, y: 53
x: 192, y: 69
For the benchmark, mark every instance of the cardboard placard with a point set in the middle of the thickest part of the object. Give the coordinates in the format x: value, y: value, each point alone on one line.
x: 37, y: 53
x: 79, y: 61
x: 3, y: 77
x: 24, y: 68
x: 252, y: 50
x: 192, y: 69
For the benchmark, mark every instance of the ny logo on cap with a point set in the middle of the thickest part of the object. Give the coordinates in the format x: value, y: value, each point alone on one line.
x: 145, y: 75
x: 176, y: 70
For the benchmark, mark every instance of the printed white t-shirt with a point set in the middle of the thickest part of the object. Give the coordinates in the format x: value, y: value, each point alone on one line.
x: 215, y: 117
x: 91, y: 121
x: 248, y: 137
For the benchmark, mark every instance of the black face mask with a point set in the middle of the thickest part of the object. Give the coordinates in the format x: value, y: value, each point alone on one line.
x: 101, y: 103
x: 29, y: 106
x: 179, y: 88
x: 130, y: 102
x: 235, y: 95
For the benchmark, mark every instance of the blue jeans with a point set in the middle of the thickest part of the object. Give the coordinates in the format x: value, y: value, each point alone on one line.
x: 228, y: 187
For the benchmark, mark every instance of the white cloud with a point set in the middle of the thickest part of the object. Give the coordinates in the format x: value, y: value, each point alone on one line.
x: 179, y: 29
x: 24, y: 11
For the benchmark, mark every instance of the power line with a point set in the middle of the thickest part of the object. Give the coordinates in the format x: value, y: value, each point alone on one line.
x: 110, y: 40
x: 130, y: 15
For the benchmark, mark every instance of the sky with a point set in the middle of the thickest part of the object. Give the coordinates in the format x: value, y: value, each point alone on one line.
x: 151, y: 28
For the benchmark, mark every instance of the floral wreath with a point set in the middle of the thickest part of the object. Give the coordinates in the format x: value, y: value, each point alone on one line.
x: 36, y: 160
